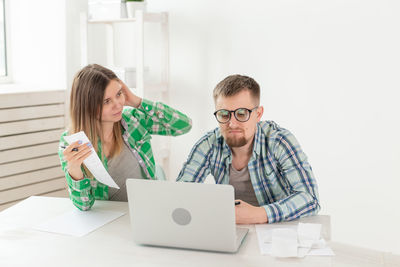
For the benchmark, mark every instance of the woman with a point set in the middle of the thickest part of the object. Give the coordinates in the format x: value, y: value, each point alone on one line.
x: 120, y: 135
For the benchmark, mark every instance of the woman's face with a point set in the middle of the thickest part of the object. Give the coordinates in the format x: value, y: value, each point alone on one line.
x: 113, y: 102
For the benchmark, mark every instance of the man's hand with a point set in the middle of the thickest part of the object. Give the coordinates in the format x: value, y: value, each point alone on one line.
x: 249, y: 214
x: 130, y: 98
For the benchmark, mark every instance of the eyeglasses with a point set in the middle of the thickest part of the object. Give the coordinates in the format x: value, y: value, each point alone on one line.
x: 241, y: 114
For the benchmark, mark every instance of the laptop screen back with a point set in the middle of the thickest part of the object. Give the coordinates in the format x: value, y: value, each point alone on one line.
x: 185, y: 215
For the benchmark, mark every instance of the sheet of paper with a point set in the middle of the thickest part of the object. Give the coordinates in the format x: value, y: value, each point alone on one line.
x: 309, y: 231
x: 93, y: 162
x: 308, y: 235
x: 310, y: 244
x: 78, y: 223
x: 284, y: 243
x: 327, y: 251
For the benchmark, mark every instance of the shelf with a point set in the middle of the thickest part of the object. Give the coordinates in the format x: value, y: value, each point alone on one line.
x: 139, y: 83
x: 147, y: 17
x: 157, y: 87
x: 151, y: 88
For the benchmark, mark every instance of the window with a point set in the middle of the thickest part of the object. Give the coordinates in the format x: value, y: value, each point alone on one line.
x: 3, y: 42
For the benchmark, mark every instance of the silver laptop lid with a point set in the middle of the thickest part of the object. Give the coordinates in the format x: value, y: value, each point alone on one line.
x: 179, y: 214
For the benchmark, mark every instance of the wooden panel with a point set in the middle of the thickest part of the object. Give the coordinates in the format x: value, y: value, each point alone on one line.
x: 22, y: 140
x: 30, y: 190
x: 28, y: 165
x: 28, y: 152
x: 30, y: 178
x: 58, y: 193
x: 24, y: 113
x: 32, y: 98
x: 35, y: 125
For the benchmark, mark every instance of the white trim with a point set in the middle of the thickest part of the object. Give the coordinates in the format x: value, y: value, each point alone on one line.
x: 83, y: 38
x: 139, y: 27
x: 8, y: 77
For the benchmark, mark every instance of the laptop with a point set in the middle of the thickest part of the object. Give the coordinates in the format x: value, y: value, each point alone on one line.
x: 184, y: 215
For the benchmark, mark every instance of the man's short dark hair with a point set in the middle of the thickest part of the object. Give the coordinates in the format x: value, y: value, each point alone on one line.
x: 234, y: 84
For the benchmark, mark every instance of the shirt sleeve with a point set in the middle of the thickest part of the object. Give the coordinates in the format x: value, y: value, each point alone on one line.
x: 80, y: 192
x: 297, y: 175
x: 197, y: 166
x: 161, y: 119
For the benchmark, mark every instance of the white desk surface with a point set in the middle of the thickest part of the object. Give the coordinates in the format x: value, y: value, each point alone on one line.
x: 112, y: 245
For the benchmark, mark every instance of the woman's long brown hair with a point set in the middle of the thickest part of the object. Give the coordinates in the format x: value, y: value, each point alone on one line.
x: 86, y: 106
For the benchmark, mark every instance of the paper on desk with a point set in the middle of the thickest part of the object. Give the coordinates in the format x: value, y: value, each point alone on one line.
x: 78, y: 223
x: 93, y: 162
x: 292, y: 240
x: 284, y: 242
x: 308, y: 235
x: 309, y: 232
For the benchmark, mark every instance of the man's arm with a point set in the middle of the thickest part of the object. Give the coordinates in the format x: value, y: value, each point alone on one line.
x: 297, y: 174
x: 197, y: 166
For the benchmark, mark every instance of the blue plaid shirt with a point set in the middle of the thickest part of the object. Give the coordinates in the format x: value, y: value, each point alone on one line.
x: 281, y: 176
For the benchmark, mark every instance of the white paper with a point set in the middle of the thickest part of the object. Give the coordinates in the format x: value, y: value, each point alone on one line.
x: 327, y: 251
x: 78, y: 223
x: 308, y: 235
x: 284, y: 243
x: 309, y: 232
x: 93, y: 162
x: 271, y: 240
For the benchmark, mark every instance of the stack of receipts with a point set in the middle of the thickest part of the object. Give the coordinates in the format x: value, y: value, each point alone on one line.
x: 292, y: 240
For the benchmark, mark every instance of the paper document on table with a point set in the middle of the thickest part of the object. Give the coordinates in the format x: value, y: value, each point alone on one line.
x: 284, y: 242
x: 93, y: 162
x: 292, y: 240
x: 78, y: 223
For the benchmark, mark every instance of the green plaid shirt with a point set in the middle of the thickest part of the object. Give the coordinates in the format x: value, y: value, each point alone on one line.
x: 138, y: 126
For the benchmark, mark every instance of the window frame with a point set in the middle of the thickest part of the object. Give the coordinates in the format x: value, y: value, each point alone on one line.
x: 8, y: 77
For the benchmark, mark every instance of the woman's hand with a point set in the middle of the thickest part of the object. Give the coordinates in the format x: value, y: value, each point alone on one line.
x: 130, y: 98
x: 75, y: 154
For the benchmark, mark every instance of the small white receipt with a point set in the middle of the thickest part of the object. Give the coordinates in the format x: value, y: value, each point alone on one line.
x: 93, y: 162
x: 292, y: 240
x: 78, y: 223
x: 284, y: 243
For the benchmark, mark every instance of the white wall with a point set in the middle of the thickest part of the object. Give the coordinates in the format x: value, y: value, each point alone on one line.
x: 328, y: 72
x: 37, y: 30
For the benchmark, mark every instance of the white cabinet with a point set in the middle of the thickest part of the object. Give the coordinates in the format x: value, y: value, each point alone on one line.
x: 141, y: 86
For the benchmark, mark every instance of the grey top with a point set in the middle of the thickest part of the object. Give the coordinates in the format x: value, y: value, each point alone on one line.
x: 123, y: 166
x: 244, y: 190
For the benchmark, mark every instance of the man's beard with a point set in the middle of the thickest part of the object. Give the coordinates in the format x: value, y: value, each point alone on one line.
x: 236, y: 142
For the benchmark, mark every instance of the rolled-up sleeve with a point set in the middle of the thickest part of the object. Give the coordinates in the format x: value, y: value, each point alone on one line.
x: 161, y: 119
x: 296, y: 172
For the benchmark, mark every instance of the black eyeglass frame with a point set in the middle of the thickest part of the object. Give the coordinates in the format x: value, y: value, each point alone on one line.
x: 234, y: 113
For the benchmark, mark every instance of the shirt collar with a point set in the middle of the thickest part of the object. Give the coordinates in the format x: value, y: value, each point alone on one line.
x: 226, y: 151
x: 257, y: 140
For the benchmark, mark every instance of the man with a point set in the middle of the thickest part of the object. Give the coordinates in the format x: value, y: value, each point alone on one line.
x: 272, y: 178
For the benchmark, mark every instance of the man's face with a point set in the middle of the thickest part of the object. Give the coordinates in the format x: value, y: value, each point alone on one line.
x: 236, y: 133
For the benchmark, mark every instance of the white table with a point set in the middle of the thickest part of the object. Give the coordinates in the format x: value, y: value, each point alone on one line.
x: 112, y: 244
